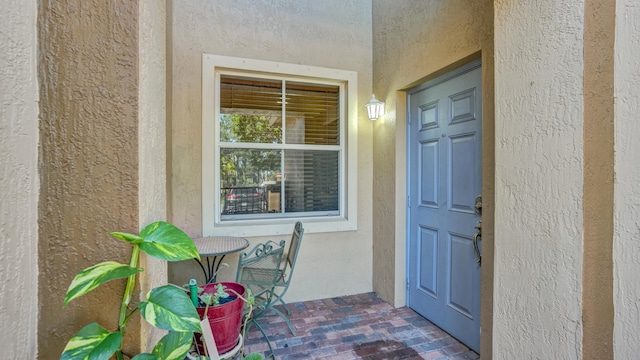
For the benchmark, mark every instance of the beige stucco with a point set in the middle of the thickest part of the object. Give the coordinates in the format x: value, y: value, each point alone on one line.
x: 152, y: 144
x: 88, y: 76
x: 597, y: 276
x: 19, y: 182
x: 297, y: 32
x: 414, y: 41
x: 539, y: 179
x: 627, y: 172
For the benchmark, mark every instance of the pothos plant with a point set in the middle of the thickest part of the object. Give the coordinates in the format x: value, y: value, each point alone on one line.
x: 213, y: 299
x: 167, y: 307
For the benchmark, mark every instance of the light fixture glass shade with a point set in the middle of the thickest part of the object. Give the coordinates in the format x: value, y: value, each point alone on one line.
x: 375, y: 108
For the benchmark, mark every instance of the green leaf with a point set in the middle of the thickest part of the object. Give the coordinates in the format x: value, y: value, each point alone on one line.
x: 145, y: 356
x: 130, y: 238
x: 170, y: 308
x: 92, y: 342
x: 173, y: 346
x: 96, y: 275
x: 253, y: 356
x: 167, y: 242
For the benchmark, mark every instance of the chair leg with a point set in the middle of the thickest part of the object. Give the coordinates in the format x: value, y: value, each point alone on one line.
x: 264, y: 335
x: 285, y: 306
x: 286, y: 319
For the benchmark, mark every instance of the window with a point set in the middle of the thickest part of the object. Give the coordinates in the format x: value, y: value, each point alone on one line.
x: 277, y: 143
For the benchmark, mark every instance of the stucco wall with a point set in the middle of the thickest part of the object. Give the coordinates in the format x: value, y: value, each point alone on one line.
x: 18, y: 180
x: 597, y: 276
x: 88, y: 75
x: 413, y: 41
x: 539, y: 179
x: 332, y: 34
x: 627, y: 175
x: 152, y: 144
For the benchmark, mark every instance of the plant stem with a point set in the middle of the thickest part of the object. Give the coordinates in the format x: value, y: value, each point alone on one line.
x: 126, y: 298
x: 246, y: 317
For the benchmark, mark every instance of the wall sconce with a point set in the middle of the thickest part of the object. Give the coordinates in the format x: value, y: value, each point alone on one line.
x: 375, y: 108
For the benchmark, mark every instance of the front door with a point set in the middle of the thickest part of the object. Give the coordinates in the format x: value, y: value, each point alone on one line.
x: 445, y: 177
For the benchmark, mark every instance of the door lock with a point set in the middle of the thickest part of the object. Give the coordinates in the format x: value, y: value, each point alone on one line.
x: 478, y: 205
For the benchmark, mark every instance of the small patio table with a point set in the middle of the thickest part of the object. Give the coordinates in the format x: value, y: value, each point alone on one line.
x: 215, y: 248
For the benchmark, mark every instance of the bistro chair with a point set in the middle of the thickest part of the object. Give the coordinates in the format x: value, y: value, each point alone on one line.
x: 258, y: 270
x: 285, y: 273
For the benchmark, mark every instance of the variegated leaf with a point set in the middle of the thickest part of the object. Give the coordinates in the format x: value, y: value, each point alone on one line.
x: 170, y: 308
x: 145, y: 356
x: 96, y: 275
x: 92, y: 342
x: 167, y: 242
x: 130, y: 238
x: 173, y: 346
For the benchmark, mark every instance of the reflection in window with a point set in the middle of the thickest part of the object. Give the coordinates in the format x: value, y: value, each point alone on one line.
x: 279, y: 147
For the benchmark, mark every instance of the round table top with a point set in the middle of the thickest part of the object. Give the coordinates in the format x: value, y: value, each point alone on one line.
x: 220, y: 245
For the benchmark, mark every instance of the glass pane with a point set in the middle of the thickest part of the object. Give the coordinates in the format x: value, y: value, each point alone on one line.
x: 250, y: 110
x: 247, y: 176
x: 311, y: 180
x: 313, y: 115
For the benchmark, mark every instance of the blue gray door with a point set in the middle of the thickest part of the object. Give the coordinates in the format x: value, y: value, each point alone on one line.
x: 445, y: 177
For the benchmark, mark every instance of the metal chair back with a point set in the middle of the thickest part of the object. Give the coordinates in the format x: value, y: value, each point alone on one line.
x: 259, y: 268
x: 292, y: 256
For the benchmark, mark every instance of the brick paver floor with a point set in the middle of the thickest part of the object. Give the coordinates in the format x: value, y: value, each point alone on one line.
x: 355, y: 327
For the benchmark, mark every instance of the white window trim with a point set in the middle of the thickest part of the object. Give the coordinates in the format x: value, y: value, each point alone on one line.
x: 211, y: 224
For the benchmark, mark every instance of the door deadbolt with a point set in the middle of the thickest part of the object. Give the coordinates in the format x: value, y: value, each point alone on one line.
x: 478, y: 205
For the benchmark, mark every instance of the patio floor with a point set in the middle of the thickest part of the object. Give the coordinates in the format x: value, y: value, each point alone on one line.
x: 355, y: 327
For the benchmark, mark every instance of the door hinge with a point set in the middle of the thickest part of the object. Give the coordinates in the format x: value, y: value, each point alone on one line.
x: 408, y: 284
x: 409, y: 201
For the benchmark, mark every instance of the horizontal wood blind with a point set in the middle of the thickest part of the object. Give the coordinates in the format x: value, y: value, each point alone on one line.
x: 254, y: 94
x: 318, y: 106
x: 251, y: 111
x: 312, y: 181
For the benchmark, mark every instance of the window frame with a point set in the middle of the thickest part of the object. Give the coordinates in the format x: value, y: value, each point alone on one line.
x: 212, y: 224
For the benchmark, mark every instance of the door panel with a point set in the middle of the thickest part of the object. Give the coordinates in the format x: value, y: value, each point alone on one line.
x: 429, y: 173
x: 428, y: 270
x: 445, y: 176
x: 462, y: 173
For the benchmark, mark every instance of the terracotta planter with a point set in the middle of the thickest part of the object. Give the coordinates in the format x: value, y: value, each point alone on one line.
x: 225, y: 319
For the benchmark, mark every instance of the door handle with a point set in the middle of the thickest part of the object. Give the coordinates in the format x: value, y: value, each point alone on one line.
x: 477, y: 236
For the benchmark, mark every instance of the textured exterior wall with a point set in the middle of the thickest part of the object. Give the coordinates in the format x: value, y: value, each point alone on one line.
x: 18, y: 180
x: 539, y: 179
x: 413, y: 41
x: 597, y: 276
x: 152, y: 145
x: 333, y: 34
x: 627, y: 174
x: 88, y: 73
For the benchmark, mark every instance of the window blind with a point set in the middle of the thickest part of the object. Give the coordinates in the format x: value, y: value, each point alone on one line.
x: 289, y: 180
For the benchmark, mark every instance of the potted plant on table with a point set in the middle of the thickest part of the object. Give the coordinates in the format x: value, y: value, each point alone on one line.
x: 167, y: 307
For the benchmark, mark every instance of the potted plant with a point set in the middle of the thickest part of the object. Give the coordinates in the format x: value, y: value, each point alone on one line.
x: 167, y: 307
x: 223, y: 303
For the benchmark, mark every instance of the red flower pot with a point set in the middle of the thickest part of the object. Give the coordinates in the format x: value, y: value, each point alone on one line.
x: 225, y: 319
